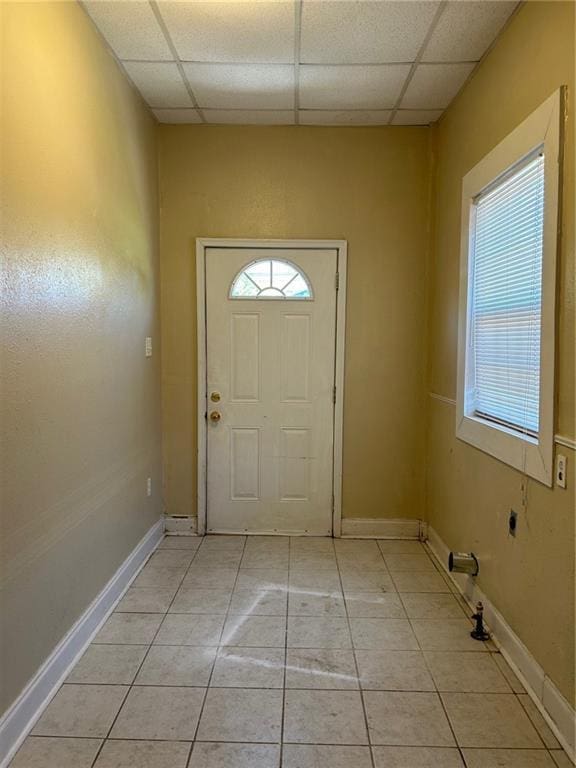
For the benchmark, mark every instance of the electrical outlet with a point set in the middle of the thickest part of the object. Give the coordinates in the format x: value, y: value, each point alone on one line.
x: 149, y: 486
x: 512, y: 522
x: 561, y: 471
x: 148, y: 346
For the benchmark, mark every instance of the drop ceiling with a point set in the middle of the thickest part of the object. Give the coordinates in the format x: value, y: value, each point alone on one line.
x: 308, y: 62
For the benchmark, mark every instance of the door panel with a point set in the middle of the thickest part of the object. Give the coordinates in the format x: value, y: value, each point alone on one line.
x: 271, y: 363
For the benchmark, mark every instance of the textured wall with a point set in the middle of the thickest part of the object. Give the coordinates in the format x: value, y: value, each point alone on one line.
x: 80, y: 403
x: 529, y: 578
x: 366, y: 185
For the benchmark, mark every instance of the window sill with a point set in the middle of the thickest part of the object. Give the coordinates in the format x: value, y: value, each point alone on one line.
x: 523, y: 452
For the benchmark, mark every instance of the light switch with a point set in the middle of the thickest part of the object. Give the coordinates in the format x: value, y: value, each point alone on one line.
x: 148, y: 346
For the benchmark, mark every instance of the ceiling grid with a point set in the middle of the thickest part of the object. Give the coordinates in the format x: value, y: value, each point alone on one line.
x: 311, y: 62
x: 423, y: 47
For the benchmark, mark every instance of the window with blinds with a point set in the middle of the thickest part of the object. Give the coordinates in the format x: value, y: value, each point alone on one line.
x: 504, y: 331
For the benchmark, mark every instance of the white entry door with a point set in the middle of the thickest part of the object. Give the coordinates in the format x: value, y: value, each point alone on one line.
x: 270, y: 337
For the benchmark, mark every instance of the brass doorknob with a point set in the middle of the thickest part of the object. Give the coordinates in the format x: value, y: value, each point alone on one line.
x: 215, y: 416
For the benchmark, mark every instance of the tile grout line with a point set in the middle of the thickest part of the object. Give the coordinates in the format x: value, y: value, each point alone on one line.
x: 283, y: 716
x: 200, y: 715
x: 360, y: 689
x: 543, y: 748
x: 437, y: 692
x: 439, y: 12
x: 132, y: 684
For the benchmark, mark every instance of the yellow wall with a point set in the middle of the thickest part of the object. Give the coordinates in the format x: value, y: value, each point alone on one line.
x: 366, y: 185
x: 80, y: 403
x: 529, y: 578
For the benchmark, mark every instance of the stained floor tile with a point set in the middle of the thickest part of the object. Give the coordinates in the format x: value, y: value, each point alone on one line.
x: 305, y: 604
x: 415, y: 581
x: 224, y: 558
x: 143, y: 754
x: 194, y: 600
x: 309, y: 632
x: 329, y: 717
x: 358, y: 580
x: 408, y: 562
x: 495, y: 720
x: 407, y: 719
x: 256, y: 631
x: 180, y: 542
x: 393, y: 671
x: 446, y: 635
x: 206, y: 755
x: 47, y: 752
x: 466, y: 672
x: 159, y: 576
x: 431, y: 606
x: 146, y: 600
x: 159, y: 713
x: 177, y: 665
x: 401, y: 547
x: 210, y: 578
x: 217, y: 543
x: 171, y: 558
x: 249, y: 668
x: 323, y: 668
x: 190, y: 629
x: 383, y: 634
x: 374, y: 605
x: 250, y: 715
x: 507, y: 758
x: 262, y: 578
x: 322, y: 756
x: 259, y: 603
x: 417, y: 757
x: 538, y: 722
x: 81, y: 710
x: 316, y: 582
x: 129, y: 629
x: 108, y: 664
x: 226, y: 645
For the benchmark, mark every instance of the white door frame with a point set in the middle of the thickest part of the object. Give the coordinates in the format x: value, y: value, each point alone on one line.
x: 341, y: 248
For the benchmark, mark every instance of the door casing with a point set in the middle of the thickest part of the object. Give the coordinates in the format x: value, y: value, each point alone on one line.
x: 341, y: 247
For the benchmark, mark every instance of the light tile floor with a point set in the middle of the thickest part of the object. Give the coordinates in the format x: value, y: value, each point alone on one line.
x: 261, y: 652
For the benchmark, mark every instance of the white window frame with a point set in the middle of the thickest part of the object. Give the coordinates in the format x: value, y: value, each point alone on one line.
x: 533, y: 456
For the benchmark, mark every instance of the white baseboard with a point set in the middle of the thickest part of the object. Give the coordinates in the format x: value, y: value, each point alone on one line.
x: 17, y: 722
x: 379, y: 528
x: 553, y: 706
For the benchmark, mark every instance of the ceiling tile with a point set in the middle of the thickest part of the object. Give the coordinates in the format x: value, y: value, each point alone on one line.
x: 131, y: 29
x: 177, y: 115
x: 239, y: 86
x: 245, y: 32
x: 433, y: 86
x: 160, y: 84
x: 344, y: 117
x: 351, y: 87
x: 249, y: 117
x: 367, y: 31
x: 416, y: 116
x: 466, y: 29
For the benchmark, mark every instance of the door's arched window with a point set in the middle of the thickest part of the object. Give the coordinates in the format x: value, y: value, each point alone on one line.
x: 271, y: 279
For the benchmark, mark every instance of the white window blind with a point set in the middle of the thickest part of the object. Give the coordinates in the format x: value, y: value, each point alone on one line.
x: 503, y: 359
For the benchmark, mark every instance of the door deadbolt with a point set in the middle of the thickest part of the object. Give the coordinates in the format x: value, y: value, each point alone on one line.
x: 215, y: 397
